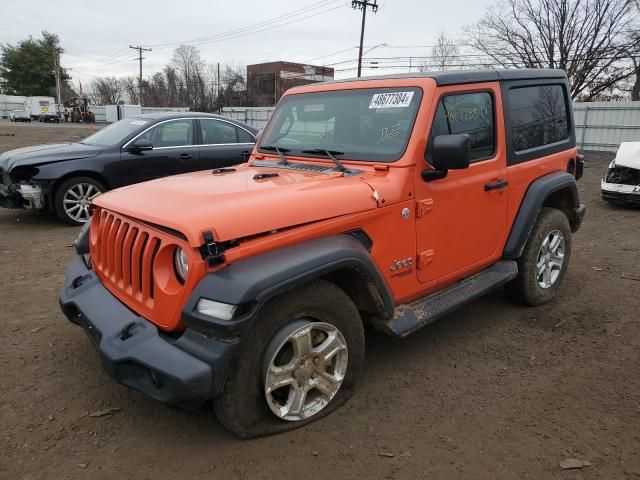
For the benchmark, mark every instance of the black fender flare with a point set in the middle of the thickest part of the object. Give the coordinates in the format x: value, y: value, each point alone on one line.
x: 251, y: 282
x: 533, y: 201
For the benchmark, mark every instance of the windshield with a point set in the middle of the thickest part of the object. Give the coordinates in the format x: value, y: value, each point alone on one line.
x: 369, y: 124
x: 116, y: 132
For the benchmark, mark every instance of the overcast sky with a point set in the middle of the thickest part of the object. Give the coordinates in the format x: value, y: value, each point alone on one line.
x: 96, y: 35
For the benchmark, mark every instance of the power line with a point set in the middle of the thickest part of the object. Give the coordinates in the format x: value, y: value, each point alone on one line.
x: 268, y: 24
x: 241, y: 29
x: 109, y: 59
x: 275, y: 22
x: 330, y: 54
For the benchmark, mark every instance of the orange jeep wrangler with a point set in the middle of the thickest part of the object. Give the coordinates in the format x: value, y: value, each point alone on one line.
x: 385, y: 202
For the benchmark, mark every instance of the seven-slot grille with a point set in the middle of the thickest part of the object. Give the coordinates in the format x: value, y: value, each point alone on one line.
x: 125, y: 255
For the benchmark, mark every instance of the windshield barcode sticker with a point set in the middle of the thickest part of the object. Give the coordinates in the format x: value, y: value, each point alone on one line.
x: 391, y: 100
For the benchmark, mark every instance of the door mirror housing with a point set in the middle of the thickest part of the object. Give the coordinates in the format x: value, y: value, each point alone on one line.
x: 140, y: 145
x: 448, y: 152
x: 451, y: 152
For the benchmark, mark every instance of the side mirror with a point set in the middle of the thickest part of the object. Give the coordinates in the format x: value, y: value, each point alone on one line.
x: 140, y: 145
x: 448, y: 152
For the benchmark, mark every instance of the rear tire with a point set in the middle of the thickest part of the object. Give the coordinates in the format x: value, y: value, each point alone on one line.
x: 248, y: 405
x: 72, y: 197
x: 544, y: 260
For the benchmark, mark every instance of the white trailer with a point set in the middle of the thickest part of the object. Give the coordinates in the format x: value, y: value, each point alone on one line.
x: 36, y: 106
x: 118, y: 112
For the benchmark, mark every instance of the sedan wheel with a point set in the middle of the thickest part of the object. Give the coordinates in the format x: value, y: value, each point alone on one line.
x: 73, y: 197
x: 77, y: 200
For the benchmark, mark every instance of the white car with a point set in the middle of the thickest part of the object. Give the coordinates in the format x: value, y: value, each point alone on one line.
x: 19, y: 116
x: 621, y: 184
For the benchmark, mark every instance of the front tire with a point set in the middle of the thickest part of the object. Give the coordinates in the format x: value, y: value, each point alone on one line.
x: 544, y: 260
x: 72, y: 198
x: 299, y: 362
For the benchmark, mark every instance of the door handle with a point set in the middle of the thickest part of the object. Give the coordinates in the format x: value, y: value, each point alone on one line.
x: 501, y: 183
x: 184, y: 156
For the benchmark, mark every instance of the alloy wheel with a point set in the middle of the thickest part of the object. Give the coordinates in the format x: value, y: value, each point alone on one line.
x: 306, y: 364
x: 550, y: 259
x: 77, y: 199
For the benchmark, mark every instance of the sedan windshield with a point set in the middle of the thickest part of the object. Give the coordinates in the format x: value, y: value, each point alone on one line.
x: 368, y: 124
x: 116, y: 132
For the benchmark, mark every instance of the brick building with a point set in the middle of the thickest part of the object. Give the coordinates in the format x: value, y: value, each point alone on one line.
x: 266, y: 82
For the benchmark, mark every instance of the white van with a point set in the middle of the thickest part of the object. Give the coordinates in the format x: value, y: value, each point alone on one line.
x: 39, y: 106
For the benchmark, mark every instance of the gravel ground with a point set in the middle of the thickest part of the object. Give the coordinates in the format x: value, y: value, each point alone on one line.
x: 494, y: 391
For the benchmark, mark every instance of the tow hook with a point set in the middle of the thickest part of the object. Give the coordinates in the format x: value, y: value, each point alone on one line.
x: 78, y: 281
x: 126, y: 331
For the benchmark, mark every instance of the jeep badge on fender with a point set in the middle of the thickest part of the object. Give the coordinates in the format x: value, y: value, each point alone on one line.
x: 252, y: 288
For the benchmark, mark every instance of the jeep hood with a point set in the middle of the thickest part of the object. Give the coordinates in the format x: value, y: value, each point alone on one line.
x: 41, y: 154
x: 238, y: 204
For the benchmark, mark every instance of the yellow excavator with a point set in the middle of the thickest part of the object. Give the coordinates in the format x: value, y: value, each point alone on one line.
x: 79, y: 110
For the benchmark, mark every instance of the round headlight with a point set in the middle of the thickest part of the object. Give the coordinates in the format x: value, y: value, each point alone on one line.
x: 181, y: 263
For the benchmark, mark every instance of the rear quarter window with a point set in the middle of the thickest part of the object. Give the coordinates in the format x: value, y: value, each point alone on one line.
x: 538, y: 116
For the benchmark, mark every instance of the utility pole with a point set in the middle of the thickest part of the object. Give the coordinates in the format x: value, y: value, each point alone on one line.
x: 363, y: 5
x: 218, y: 88
x: 140, y: 58
x: 56, y: 66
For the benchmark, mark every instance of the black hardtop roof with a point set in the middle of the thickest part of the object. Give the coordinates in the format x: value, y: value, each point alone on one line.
x: 456, y: 77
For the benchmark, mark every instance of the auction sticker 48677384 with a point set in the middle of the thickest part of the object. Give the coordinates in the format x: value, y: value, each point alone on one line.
x: 391, y: 100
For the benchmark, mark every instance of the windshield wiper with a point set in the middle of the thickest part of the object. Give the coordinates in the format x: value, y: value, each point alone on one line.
x: 281, y: 151
x: 328, y: 153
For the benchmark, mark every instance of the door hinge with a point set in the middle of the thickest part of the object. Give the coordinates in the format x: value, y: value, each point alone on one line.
x: 425, y: 258
x: 424, y: 207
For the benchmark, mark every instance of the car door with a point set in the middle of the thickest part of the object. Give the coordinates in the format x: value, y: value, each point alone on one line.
x: 174, y: 151
x: 223, y: 144
x: 461, y: 218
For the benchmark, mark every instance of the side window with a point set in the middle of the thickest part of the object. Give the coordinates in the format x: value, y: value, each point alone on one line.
x: 538, y: 116
x: 470, y: 113
x: 244, y: 136
x: 171, y: 134
x: 215, y: 132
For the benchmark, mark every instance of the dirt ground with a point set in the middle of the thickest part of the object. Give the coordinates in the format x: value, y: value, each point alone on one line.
x: 494, y: 391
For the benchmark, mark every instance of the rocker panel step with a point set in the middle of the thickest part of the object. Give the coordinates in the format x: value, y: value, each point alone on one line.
x: 410, y: 317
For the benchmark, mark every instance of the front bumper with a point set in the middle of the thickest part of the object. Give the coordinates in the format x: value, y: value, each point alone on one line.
x: 185, y: 370
x: 620, y: 193
x: 22, y: 196
x: 9, y: 197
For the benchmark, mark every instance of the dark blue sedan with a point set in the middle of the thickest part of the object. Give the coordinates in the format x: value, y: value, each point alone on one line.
x: 66, y: 177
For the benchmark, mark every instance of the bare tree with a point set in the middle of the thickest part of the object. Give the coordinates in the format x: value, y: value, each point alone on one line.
x: 445, y: 55
x: 131, y: 89
x: 185, y: 82
x: 233, y: 86
x: 635, y: 88
x: 187, y: 63
x: 635, y: 60
x: 105, y: 91
x: 589, y: 39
